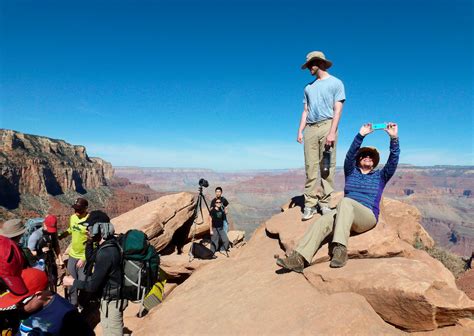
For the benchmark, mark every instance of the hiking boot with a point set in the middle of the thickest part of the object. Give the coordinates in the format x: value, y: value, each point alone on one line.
x: 339, y: 256
x: 308, y: 213
x: 294, y: 262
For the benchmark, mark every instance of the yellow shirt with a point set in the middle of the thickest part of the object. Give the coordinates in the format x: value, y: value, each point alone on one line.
x: 79, y: 237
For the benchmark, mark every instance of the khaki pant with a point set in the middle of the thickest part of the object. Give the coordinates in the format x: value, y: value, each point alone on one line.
x: 349, y: 216
x: 318, y: 190
x: 111, y: 317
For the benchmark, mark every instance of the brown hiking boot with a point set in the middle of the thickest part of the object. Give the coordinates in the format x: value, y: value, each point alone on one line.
x: 294, y: 262
x: 339, y: 256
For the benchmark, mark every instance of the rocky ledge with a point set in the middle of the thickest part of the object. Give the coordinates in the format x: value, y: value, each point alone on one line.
x: 387, y: 287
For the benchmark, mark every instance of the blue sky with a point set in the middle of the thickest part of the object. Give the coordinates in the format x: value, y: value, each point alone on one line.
x: 218, y: 84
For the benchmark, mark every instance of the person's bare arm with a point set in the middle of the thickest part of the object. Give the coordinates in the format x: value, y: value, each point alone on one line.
x: 210, y: 225
x: 331, y: 137
x: 304, y: 115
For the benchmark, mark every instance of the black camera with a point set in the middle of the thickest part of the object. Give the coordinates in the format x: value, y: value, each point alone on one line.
x: 203, y: 183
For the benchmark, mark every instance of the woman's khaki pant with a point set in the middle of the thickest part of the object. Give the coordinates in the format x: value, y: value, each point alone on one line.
x: 349, y: 216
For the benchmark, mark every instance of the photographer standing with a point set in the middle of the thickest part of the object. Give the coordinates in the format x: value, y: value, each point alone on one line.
x: 217, y: 217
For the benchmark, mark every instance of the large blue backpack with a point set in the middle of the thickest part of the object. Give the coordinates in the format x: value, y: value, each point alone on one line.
x: 31, y: 225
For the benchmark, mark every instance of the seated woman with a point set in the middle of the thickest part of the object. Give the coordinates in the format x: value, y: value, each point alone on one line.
x: 358, y: 211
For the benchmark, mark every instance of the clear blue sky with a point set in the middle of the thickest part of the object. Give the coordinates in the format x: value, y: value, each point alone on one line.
x: 218, y: 84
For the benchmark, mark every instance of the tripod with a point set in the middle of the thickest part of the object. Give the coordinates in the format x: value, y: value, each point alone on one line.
x: 197, y: 210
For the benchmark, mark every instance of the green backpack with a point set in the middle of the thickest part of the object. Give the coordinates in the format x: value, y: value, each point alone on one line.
x: 140, y: 263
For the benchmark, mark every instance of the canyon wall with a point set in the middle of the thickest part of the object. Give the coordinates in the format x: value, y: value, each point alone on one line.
x: 42, y: 166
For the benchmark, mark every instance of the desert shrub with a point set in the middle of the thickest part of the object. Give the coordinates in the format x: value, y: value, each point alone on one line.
x: 454, y: 263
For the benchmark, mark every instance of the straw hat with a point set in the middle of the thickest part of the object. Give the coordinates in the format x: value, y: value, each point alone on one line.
x: 372, y: 152
x: 12, y: 228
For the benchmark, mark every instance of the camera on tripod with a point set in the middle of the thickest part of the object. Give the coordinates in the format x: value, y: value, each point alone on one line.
x: 203, y: 183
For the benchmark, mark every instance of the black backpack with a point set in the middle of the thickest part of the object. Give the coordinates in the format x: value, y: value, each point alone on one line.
x: 198, y: 250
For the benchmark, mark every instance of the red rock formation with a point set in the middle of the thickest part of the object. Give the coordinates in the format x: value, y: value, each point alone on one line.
x: 390, y: 283
x: 466, y: 283
x: 39, y: 175
x: 162, y: 218
x: 42, y: 166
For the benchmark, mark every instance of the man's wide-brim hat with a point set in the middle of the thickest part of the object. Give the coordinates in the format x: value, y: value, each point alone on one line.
x: 372, y: 152
x: 12, y: 228
x: 316, y: 56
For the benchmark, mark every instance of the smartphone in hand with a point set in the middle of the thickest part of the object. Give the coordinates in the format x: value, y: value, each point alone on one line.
x: 381, y: 126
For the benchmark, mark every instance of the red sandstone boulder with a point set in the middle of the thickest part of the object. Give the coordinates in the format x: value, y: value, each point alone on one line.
x: 466, y: 283
x: 161, y: 218
x: 404, y: 292
x: 415, y: 283
x: 244, y: 295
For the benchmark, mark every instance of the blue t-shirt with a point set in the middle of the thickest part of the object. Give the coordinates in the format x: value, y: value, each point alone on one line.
x: 320, y: 97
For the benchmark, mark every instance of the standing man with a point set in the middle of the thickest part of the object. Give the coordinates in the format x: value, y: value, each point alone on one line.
x: 106, y: 279
x: 217, y: 216
x: 77, y: 255
x: 323, y: 101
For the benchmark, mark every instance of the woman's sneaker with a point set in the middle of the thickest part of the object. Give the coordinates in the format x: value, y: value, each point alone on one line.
x: 308, y: 213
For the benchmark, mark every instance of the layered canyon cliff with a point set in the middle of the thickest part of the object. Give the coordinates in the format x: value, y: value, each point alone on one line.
x: 40, y: 175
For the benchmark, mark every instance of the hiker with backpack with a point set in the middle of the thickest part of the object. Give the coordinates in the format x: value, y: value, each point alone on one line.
x: 358, y: 211
x: 106, y: 278
x: 218, y: 234
x: 44, y: 244
x: 77, y: 257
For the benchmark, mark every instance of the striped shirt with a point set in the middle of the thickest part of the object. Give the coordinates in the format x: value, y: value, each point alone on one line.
x: 367, y: 188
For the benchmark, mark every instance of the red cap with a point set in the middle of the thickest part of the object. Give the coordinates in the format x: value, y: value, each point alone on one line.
x: 35, y: 280
x: 51, y: 223
x: 11, y: 265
